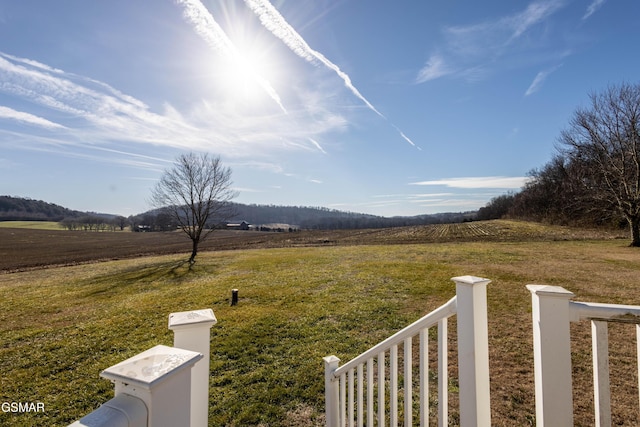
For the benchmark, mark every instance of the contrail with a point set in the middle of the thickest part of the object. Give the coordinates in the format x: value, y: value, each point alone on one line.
x: 273, y: 21
x: 317, y: 145
x: 278, y: 26
x: 406, y: 138
x: 207, y: 28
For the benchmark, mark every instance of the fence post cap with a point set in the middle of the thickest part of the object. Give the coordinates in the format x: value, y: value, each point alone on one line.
x: 551, y: 291
x: 183, y: 319
x: 331, y: 359
x: 470, y: 280
x: 152, y: 366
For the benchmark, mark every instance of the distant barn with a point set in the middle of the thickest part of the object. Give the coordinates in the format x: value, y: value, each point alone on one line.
x: 244, y: 225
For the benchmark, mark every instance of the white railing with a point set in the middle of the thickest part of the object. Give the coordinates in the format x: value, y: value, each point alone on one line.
x: 345, y: 385
x: 163, y: 386
x: 552, y: 312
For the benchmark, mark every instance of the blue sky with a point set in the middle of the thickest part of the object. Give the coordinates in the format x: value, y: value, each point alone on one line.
x: 384, y: 107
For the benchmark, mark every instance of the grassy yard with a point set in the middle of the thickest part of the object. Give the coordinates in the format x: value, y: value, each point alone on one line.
x: 61, y: 326
x: 33, y: 225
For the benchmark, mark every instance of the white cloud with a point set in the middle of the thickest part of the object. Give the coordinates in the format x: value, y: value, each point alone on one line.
x: 537, y: 82
x: 593, y: 8
x: 416, y: 204
x: 471, y: 51
x: 434, y: 68
x: 534, y: 14
x: 264, y: 166
x: 28, y: 118
x: 317, y: 145
x: 478, y: 182
x: 89, y: 114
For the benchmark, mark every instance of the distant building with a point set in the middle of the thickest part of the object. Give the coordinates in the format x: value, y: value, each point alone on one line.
x: 244, y: 225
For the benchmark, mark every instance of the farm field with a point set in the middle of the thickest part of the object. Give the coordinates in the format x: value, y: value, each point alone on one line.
x: 62, y: 325
x: 34, y: 225
x: 27, y: 247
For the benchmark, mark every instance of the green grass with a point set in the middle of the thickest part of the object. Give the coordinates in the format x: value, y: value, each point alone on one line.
x: 61, y: 326
x: 33, y: 225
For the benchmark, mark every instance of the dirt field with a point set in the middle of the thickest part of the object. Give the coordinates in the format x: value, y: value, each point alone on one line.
x: 23, y: 249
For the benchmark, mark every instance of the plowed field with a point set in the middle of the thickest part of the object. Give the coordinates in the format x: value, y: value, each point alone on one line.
x: 22, y: 248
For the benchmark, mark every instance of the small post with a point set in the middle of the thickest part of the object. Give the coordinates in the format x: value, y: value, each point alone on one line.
x: 161, y: 378
x: 191, y: 331
x: 552, y: 355
x: 234, y: 297
x: 331, y: 392
x: 473, y: 350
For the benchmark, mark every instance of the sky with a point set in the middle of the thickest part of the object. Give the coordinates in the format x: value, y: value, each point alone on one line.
x: 383, y: 107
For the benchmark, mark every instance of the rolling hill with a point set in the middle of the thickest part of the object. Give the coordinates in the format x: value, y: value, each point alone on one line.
x: 305, y: 217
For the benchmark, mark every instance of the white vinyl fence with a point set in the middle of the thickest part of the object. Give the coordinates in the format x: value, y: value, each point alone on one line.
x: 169, y: 386
x: 163, y: 386
x: 552, y: 312
x: 346, y: 386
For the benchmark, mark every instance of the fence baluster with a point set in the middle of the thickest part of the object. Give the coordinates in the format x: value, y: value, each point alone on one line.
x: 408, y: 389
x: 351, y: 396
x: 370, y: 410
x: 343, y: 398
x: 601, y: 390
x: 393, y: 387
x: 443, y: 375
x: 424, y: 377
x: 381, y: 389
x: 360, y: 392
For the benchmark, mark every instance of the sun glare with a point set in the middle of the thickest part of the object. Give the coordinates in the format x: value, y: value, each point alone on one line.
x: 243, y: 76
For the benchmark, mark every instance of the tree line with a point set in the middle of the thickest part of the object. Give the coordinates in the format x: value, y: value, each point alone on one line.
x: 94, y: 223
x: 593, y: 178
x: 25, y: 209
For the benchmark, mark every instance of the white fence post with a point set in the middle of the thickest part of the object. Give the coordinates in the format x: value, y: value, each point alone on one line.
x: 552, y: 355
x: 473, y: 351
x: 331, y: 391
x: 161, y: 378
x: 191, y: 331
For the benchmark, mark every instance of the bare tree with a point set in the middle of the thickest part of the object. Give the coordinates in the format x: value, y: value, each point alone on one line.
x: 197, y: 193
x: 603, y: 143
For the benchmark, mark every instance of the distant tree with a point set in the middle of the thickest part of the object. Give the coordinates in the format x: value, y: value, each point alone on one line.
x: 496, y: 208
x: 547, y: 196
x: 121, y: 222
x: 70, y: 223
x: 197, y: 193
x: 602, y: 144
x: 165, y: 221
